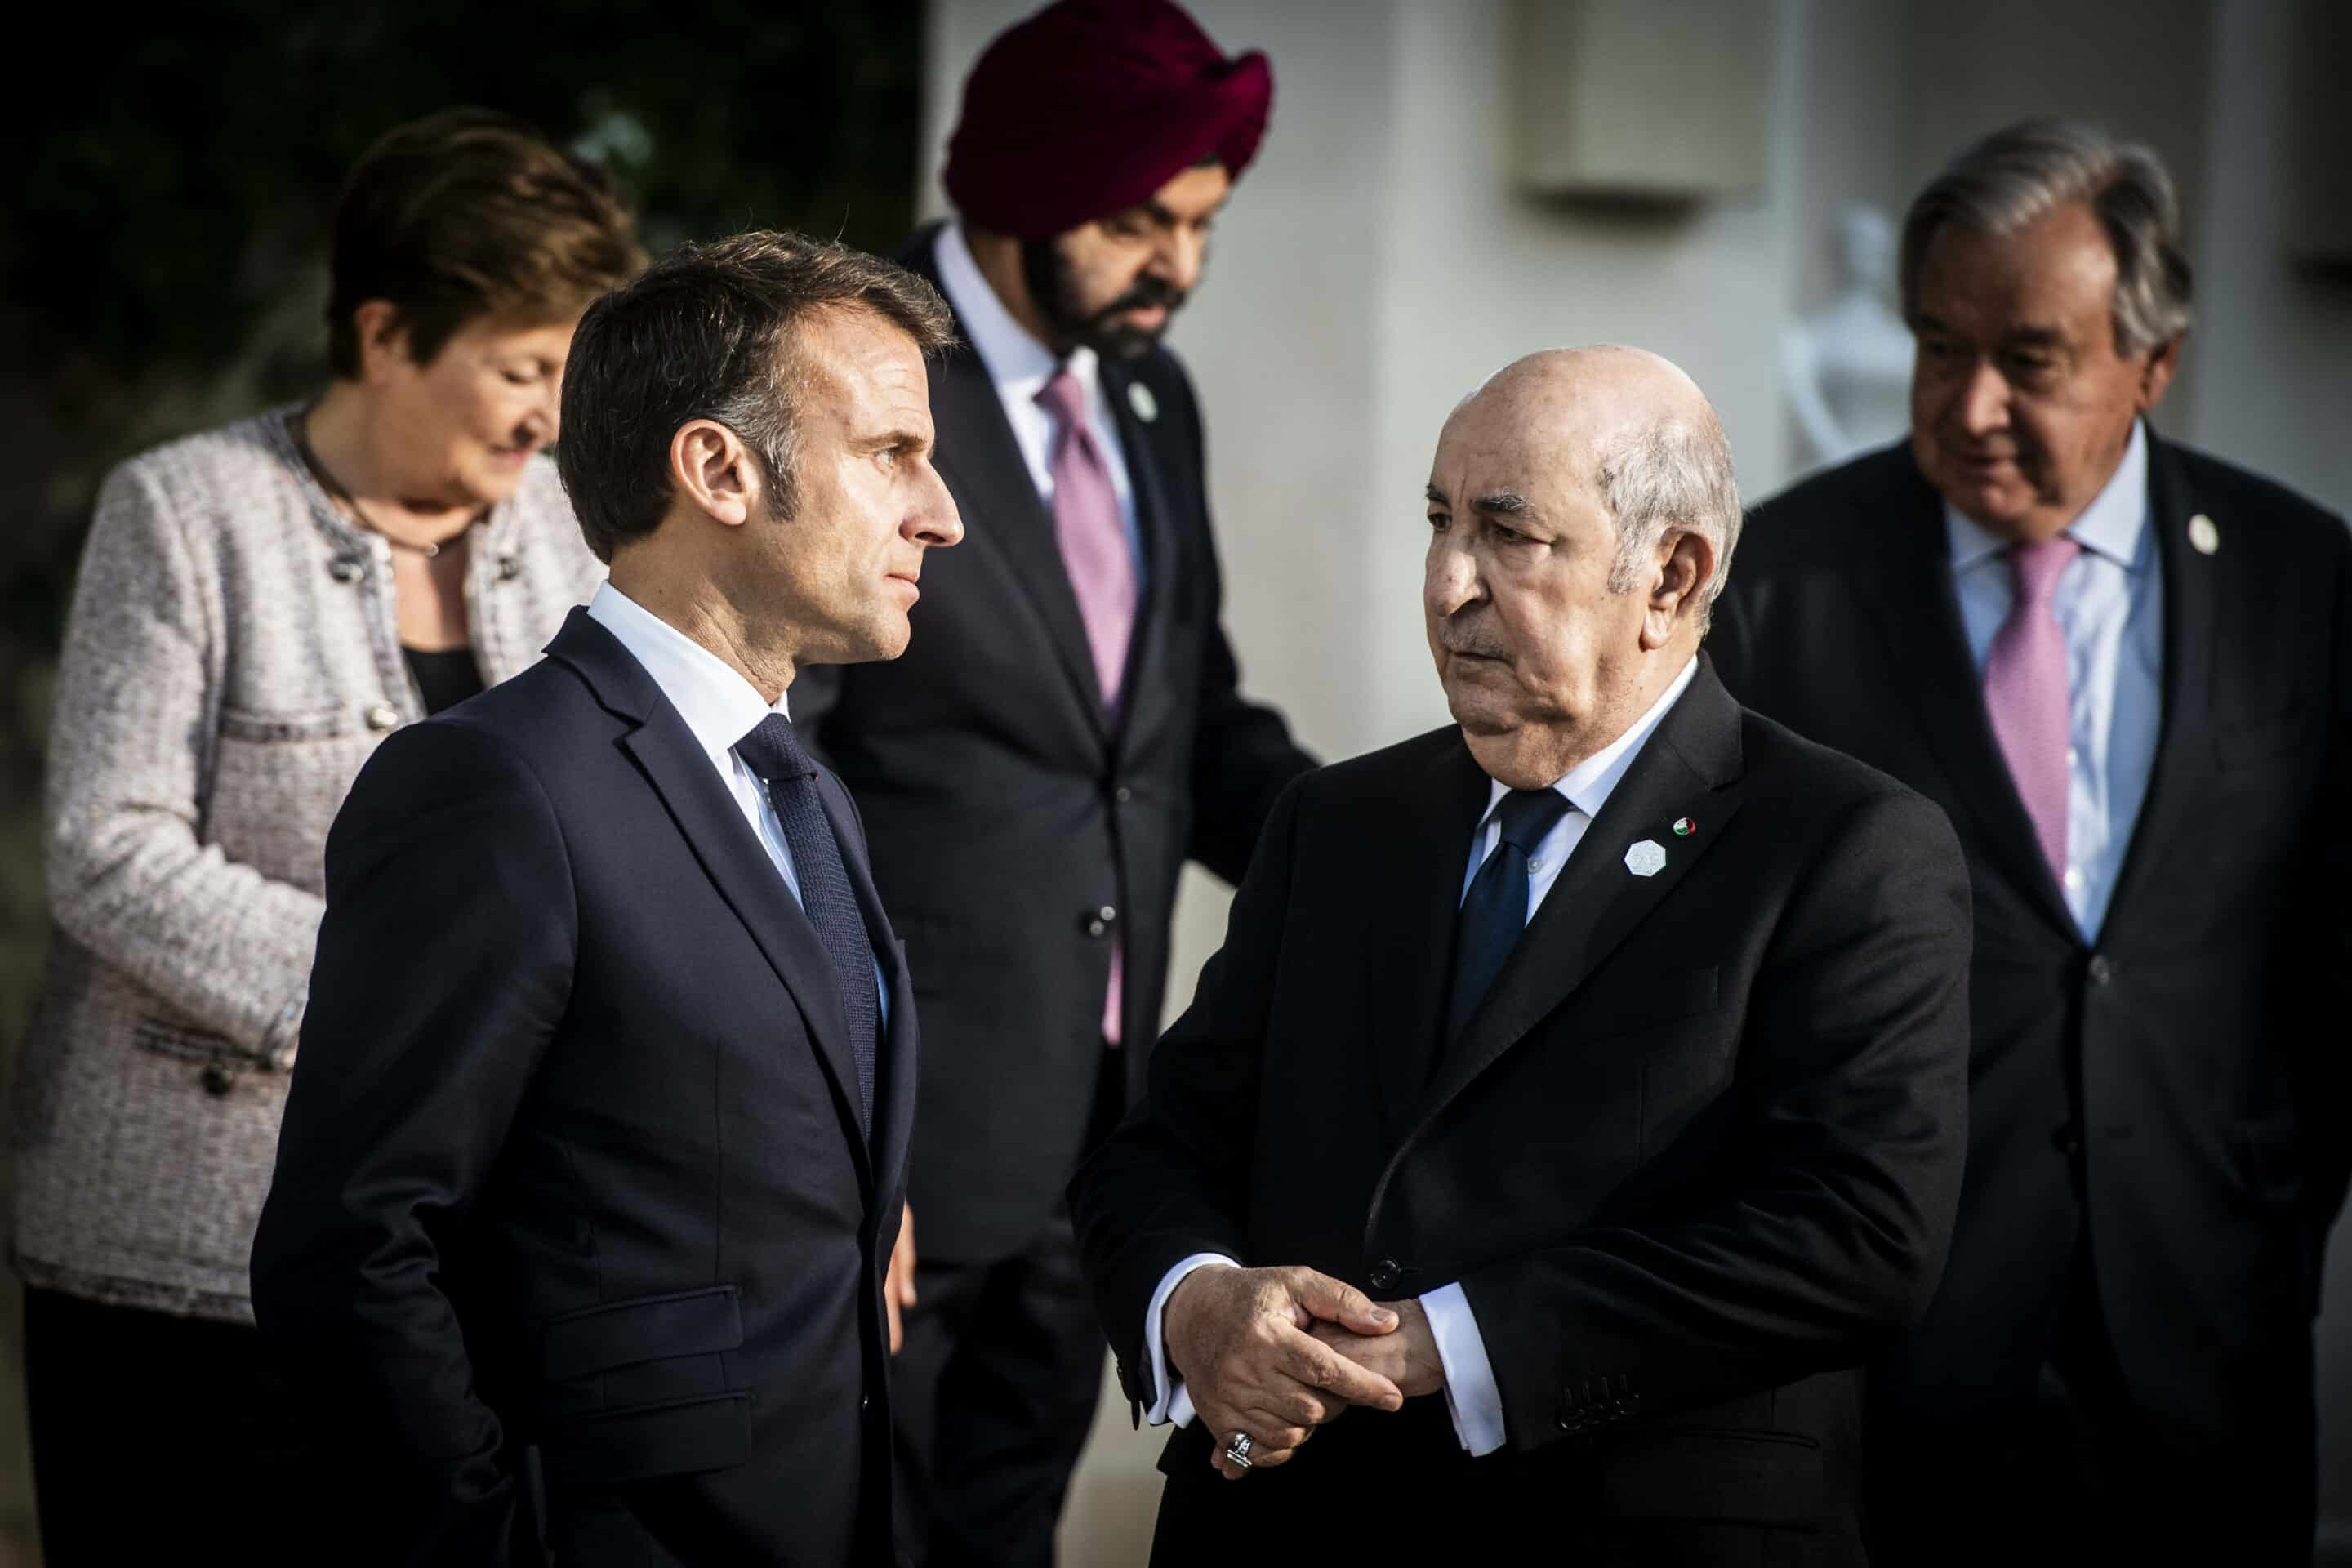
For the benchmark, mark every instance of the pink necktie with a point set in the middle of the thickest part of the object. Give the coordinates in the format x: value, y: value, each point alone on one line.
x: 1092, y: 532
x: 2026, y: 692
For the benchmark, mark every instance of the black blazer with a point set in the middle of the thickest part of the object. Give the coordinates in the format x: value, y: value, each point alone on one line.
x: 2172, y: 1093
x: 1017, y: 834
x: 572, y: 1162
x: 1693, y: 1158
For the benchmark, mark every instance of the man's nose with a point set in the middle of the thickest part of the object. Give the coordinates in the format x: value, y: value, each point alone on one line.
x: 1984, y: 401
x: 937, y: 521
x: 1453, y: 580
x: 1176, y: 260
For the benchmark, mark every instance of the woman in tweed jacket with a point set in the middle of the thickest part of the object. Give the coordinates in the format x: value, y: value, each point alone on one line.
x: 258, y: 607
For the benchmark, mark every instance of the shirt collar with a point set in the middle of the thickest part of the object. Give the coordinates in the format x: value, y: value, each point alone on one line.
x: 719, y: 705
x: 1017, y: 363
x: 1589, y: 785
x: 2111, y: 526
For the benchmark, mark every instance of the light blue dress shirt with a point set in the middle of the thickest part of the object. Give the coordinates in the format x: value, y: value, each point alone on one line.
x: 2110, y: 606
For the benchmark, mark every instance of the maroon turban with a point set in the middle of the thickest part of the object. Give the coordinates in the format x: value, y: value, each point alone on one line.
x: 1090, y: 106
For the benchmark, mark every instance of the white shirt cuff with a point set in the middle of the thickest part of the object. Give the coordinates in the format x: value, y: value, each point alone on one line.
x: 1172, y: 1402
x: 1471, y: 1396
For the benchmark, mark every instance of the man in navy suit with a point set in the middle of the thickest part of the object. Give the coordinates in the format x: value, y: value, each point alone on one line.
x: 593, y: 1161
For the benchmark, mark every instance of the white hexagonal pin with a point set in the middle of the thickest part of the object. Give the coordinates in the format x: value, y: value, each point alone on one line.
x: 1646, y: 858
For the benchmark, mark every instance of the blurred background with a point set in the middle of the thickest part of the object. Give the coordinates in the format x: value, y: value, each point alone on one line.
x: 1447, y: 184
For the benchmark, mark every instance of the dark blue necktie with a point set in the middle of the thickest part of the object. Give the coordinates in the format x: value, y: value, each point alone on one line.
x: 1494, y: 910
x: 775, y: 753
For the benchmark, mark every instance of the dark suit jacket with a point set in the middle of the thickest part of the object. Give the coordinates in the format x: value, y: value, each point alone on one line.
x: 1692, y: 1159
x: 1017, y: 833
x: 2174, y: 1095
x: 572, y: 1160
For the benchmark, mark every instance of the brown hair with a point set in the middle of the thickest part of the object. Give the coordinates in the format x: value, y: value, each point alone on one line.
x: 710, y: 332
x: 466, y: 214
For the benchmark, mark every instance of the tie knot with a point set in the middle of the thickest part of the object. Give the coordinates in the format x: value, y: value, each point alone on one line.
x: 774, y: 752
x: 1527, y: 815
x: 1064, y: 397
x: 2035, y: 568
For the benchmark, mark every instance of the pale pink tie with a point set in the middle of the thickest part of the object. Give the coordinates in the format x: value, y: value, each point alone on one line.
x: 1092, y: 531
x: 2025, y: 689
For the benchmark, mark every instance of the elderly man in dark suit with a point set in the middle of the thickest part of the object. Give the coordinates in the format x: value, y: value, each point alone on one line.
x: 1069, y: 729
x: 2124, y: 668
x: 1612, y: 1035
x: 594, y: 1156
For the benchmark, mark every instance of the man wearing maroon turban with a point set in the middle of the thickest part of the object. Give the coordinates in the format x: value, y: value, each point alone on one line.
x: 1065, y: 730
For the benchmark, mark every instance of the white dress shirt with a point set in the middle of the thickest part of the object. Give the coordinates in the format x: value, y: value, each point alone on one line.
x: 1021, y: 367
x: 2110, y: 608
x: 721, y: 707
x: 1471, y: 1394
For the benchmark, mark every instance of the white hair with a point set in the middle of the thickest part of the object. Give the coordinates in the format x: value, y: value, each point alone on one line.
x: 1676, y: 474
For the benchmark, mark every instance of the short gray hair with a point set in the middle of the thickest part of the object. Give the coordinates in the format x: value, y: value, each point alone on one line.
x: 1676, y: 474
x: 2015, y: 176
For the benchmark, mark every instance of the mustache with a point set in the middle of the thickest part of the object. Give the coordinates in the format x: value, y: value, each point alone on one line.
x: 1147, y: 292
x: 1474, y: 641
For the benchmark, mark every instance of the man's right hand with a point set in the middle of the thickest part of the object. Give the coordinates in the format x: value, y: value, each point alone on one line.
x: 1238, y: 1339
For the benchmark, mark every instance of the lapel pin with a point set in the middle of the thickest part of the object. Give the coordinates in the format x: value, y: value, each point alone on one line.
x: 1684, y: 828
x: 1147, y: 408
x: 2203, y: 535
x: 1646, y: 858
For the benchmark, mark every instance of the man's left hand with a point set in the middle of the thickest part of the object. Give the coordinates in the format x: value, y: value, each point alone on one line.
x: 1406, y: 1356
x: 898, y: 1281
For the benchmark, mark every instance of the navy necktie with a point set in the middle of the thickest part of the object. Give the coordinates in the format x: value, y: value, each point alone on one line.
x: 1494, y: 910
x: 775, y: 753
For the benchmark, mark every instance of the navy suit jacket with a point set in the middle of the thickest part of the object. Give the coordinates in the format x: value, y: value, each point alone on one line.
x: 571, y: 1195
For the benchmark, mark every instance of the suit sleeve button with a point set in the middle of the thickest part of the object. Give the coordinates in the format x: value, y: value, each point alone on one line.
x: 1385, y: 1274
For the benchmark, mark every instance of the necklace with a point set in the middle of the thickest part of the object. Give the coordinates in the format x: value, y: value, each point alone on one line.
x: 334, y: 487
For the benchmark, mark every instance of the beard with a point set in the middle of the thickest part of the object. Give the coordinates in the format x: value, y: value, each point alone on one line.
x: 1054, y: 285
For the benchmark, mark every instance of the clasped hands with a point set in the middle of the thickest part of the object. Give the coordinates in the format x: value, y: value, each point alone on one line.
x: 1277, y: 1353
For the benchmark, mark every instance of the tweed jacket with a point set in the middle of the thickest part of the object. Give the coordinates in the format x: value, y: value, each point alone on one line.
x: 231, y: 659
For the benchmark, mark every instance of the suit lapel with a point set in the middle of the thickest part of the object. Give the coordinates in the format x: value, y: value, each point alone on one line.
x: 1916, y: 607
x: 730, y: 854
x: 1689, y: 768
x: 1155, y: 523
x: 2191, y: 626
x: 1423, y: 858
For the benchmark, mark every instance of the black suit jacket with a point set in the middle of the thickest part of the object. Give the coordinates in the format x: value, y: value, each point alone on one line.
x: 1017, y: 832
x: 2175, y: 1094
x: 572, y: 1160
x: 1692, y: 1159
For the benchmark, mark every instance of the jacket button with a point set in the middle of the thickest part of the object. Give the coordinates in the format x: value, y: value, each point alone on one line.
x: 1098, y: 922
x: 382, y: 716
x: 1122, y: 794
x: 218, y: 1078
x: 2101, y: 970
x: 343, y: 569
x: 1385, y: 1274
x: 2067, y: 1140
x: 509, y: 566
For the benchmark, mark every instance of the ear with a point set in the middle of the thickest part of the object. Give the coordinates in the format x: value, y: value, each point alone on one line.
x: 714, y: 471
x: 2156, y: 375
x: 382, y: 340
x: 1685, y: 563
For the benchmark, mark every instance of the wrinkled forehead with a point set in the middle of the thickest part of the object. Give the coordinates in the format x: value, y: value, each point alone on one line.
x: 1503, y: 439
